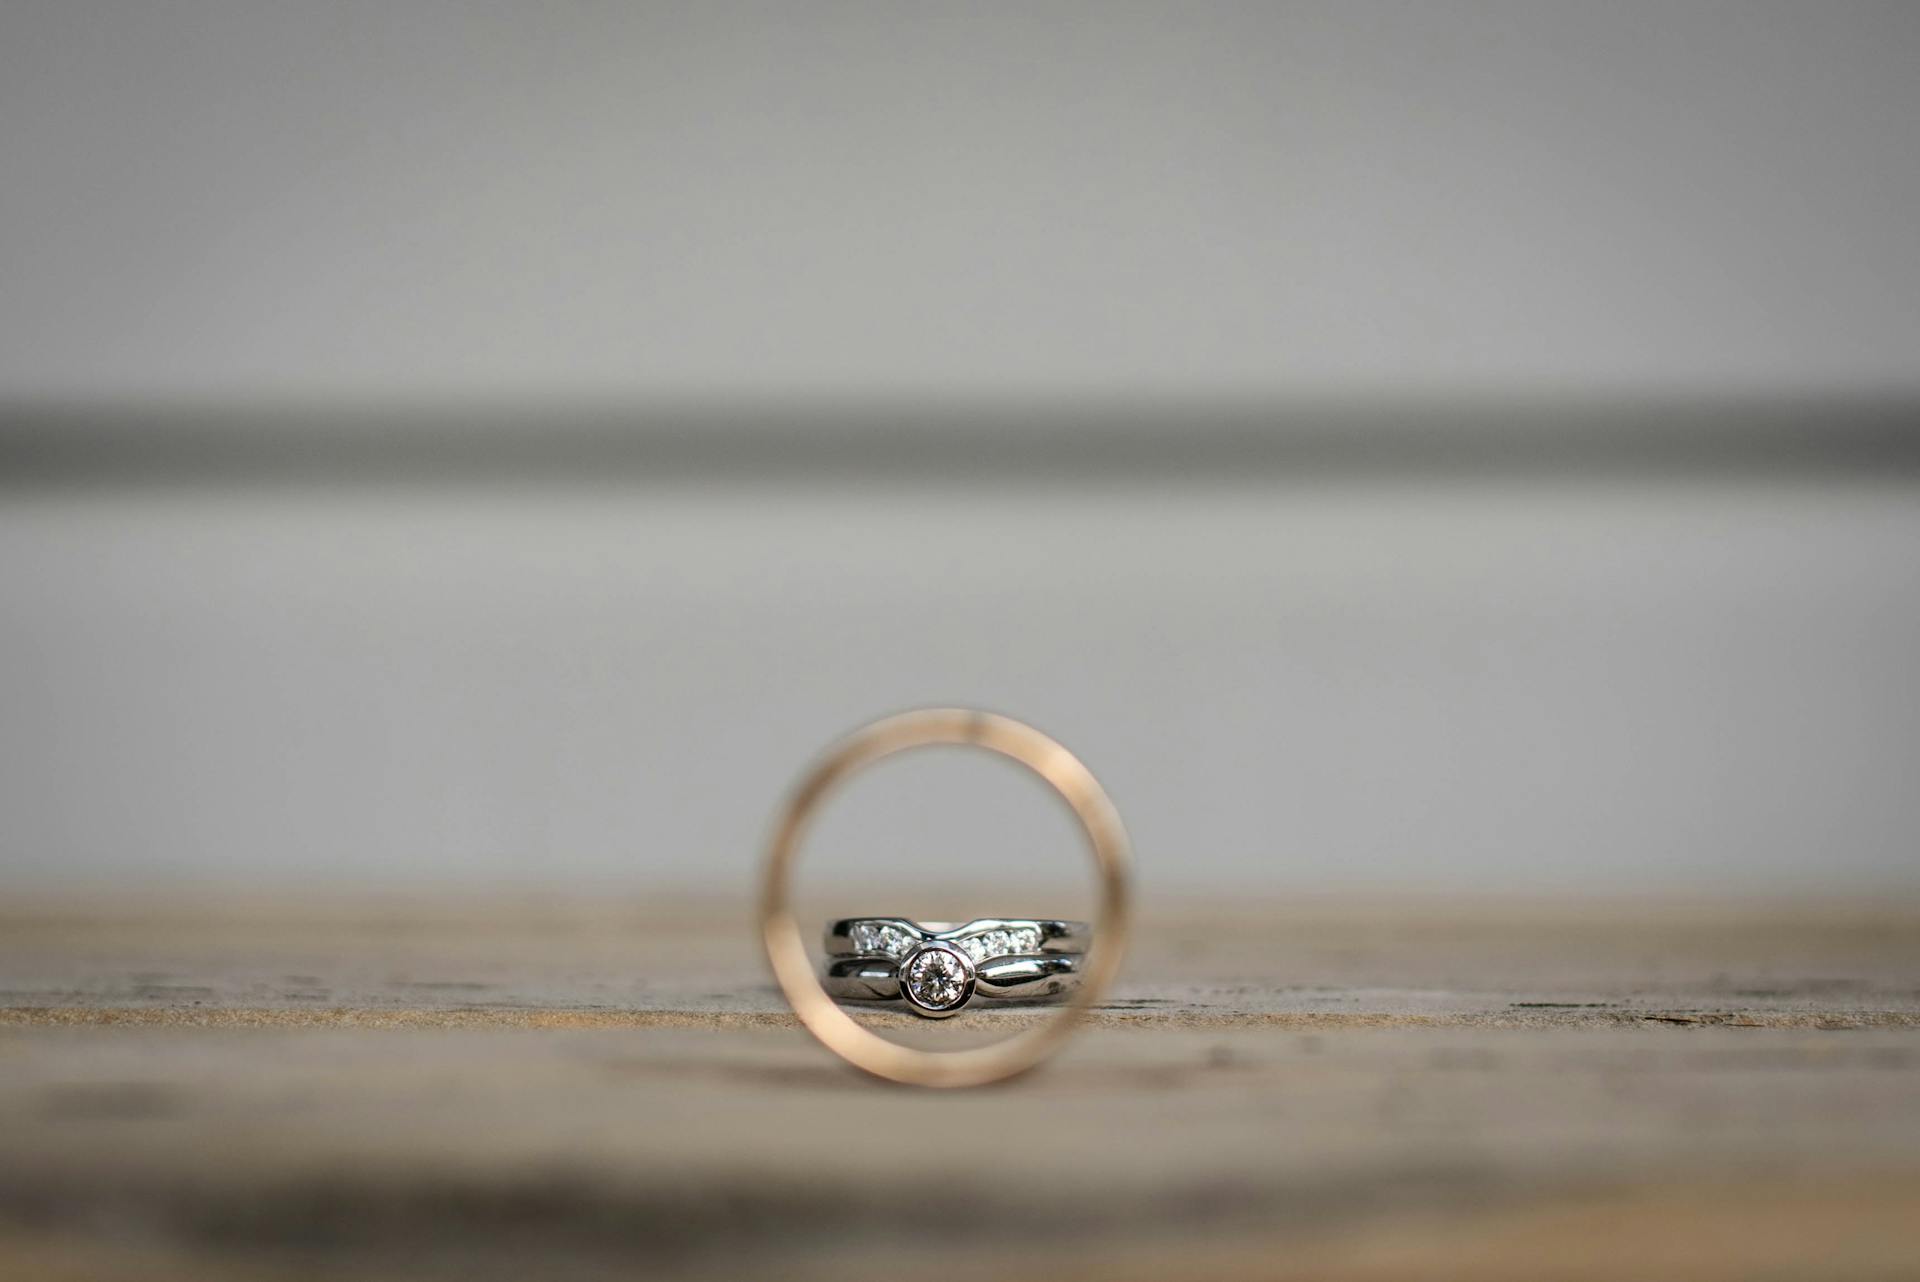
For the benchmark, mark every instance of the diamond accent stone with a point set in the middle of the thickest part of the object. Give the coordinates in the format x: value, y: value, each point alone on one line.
x: 937, y: 978
x: 1014, y: 942
x: 871, y: 937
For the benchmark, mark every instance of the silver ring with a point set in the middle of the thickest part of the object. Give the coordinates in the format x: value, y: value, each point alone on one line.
x: 939, y: 968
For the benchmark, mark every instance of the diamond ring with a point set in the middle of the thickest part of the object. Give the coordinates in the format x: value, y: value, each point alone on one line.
x: 938, y: 967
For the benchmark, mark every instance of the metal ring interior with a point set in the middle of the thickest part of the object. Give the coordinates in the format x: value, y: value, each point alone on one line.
x: 787, y: 951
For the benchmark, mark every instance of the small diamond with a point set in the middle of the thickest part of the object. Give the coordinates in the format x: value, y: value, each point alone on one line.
x: 937, y: 978
x: 870, y: 937
x: 1016, y: 941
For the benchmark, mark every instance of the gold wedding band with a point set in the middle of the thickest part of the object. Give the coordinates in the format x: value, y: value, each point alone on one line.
x: 793, y: 968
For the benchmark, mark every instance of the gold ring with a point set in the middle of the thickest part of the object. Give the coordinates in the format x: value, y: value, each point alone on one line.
x: 793, y: 968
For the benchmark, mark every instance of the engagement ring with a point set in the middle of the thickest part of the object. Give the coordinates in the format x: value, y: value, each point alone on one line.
x: 938, y: 968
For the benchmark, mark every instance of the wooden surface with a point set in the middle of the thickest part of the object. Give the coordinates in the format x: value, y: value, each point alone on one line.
x: 1332, y: 1089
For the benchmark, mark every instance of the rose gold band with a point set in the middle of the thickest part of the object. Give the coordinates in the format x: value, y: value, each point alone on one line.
x: 787, y: 952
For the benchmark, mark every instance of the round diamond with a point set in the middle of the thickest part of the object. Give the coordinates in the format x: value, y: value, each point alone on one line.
x: 938, y: 978
x: 883, y: 938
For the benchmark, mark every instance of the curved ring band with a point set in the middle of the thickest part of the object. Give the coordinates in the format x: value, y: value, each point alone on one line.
x: 787, y: 952
x: 1050, y: 977
x: 980, y: 938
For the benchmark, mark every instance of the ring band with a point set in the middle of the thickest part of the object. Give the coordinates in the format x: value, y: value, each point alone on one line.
x: 980, y: 938
x: 787, y: 951
x: 1005, y: 979
x: 1001, y: 959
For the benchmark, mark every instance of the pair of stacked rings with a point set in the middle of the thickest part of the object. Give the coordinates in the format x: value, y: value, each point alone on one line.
x: 938, y: 968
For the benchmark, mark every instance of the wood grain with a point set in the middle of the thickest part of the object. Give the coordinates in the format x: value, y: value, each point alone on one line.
x: 483, y: 1087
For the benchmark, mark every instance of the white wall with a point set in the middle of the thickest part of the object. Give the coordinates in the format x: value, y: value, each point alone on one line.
x: 436, y: 196
x: 1601, y: 685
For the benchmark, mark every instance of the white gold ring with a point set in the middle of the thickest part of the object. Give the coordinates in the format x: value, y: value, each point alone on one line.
x: 938, y: 968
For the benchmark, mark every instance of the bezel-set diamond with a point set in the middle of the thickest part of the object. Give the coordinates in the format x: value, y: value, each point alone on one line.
x: 936, y: 979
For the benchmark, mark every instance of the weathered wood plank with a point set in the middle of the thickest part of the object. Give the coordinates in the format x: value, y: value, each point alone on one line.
x: 1334, y: 1090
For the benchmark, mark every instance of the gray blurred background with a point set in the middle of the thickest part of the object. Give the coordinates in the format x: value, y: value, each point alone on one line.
x: 1464, y: 447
